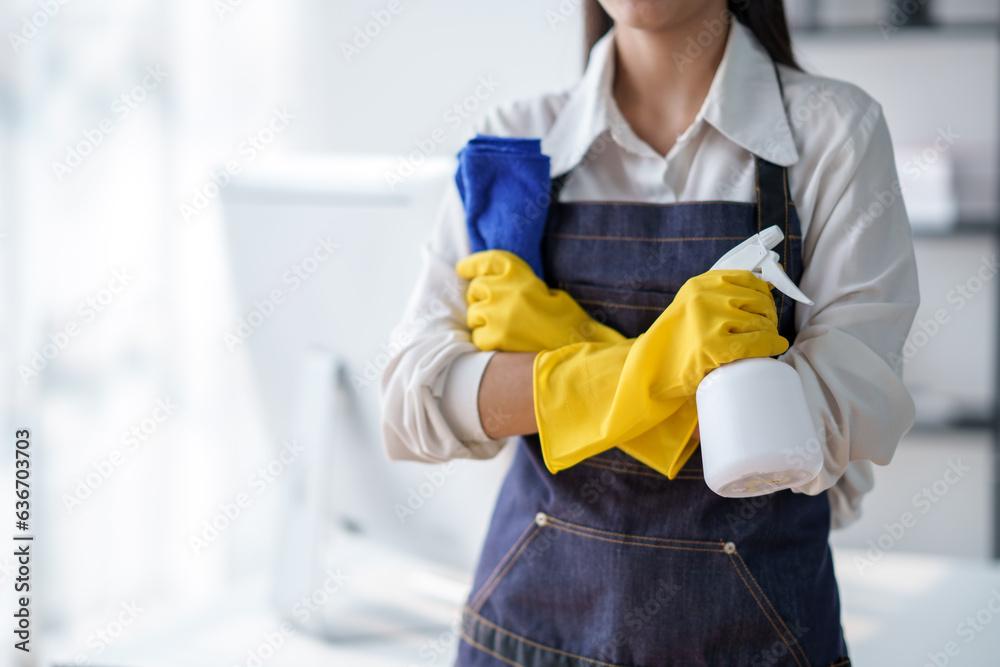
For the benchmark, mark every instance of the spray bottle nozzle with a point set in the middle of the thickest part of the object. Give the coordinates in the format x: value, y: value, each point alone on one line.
x: 770, y: 237
x: 755, y: 255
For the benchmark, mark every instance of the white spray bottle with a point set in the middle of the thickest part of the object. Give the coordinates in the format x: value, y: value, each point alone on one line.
x: 756, y: 433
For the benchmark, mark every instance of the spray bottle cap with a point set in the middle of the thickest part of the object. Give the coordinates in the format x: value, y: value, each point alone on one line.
x: 755, y: 255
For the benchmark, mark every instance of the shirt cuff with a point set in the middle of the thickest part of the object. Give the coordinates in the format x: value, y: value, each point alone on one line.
x: 460, y: 396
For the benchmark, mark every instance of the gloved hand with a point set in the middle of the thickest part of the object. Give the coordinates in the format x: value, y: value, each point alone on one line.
x: 511, y: 309
x: 591, y: 396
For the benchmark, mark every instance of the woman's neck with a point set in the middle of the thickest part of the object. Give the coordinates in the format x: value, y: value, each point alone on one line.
x: 663, y: 77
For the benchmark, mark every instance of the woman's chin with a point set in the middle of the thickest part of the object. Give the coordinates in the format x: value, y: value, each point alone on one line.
x: 652, y: 15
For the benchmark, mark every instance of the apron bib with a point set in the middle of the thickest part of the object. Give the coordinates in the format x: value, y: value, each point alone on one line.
x: 611, y: 563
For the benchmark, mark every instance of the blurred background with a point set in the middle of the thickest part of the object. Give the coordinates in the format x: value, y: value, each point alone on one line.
x: 209, y: 220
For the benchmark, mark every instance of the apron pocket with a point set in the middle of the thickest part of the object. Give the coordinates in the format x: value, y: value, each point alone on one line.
x: 568, y: 594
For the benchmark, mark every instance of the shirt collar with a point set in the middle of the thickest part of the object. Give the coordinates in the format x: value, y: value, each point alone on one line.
x: 744, y: 103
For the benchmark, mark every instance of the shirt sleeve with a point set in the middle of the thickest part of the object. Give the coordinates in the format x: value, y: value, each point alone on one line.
x: 430, y: 386
x: 861, y: 273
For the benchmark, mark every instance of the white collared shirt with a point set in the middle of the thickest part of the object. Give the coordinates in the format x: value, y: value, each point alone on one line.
x: 857, y: 251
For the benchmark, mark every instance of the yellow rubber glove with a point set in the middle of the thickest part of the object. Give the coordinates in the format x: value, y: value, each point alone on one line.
x: 511, y: 309
x: 591, y: 396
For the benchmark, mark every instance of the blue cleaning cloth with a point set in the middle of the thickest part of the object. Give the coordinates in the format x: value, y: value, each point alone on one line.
x: 505, y: 186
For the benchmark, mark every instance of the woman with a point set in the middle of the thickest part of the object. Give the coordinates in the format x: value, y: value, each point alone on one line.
x: 691, y: 129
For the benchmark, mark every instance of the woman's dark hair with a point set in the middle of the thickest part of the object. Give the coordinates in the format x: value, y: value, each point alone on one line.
x: 765, y: 18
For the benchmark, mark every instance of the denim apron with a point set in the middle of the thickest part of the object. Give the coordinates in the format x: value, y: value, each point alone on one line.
x: 611, y: 563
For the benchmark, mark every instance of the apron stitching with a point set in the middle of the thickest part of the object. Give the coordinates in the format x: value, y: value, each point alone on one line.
x: 491, y: 585
x: 784, y: 182
x: 756, y: 176
x: 485, y: 621
x: 479, y: 647
x: 642, y: 473
x: 611, y: 536
x: 637, y: 543
x: 625, y: 306
x: 644, y: 239
x: 639, y: 467
x: 503, y: 567
x: 560, y: 522
x: 651, y: 475
x: 569, y: 236
x: 761, y: 599
x: 698, y: 202
x: 767, y: 601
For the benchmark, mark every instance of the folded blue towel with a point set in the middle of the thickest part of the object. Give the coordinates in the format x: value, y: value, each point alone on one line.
x: 505, y: 186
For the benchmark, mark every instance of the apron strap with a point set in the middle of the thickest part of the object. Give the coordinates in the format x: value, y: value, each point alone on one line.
x: 773, y: 201
x: 772, y: 195
x: 557, y: 185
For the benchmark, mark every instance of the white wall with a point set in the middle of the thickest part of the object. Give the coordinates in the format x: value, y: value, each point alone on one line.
x: 927, y: 82
x: 931, y: 82
x: 392, y: 93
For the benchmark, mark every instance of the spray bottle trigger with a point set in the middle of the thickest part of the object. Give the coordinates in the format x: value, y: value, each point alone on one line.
x: 771, y: 272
